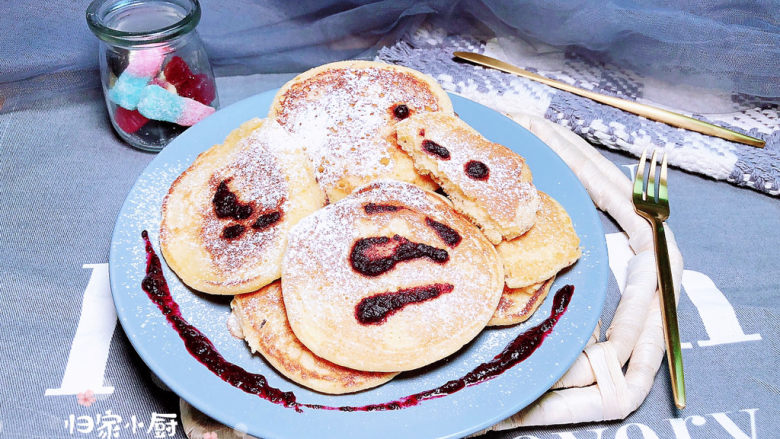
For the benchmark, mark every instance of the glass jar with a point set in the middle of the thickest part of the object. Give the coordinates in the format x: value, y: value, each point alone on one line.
x: 156, y: 76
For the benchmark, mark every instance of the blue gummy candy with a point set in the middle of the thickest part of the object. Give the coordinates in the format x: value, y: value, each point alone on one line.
x: 159, y: 104
x: 126, y: 91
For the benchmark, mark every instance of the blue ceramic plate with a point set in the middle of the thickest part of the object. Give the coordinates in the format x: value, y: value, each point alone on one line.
x: 461, y: 413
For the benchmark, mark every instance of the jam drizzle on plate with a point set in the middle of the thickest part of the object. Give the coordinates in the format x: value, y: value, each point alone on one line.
x: 201, y: 348
x: 518, y: 350
x: 198, y: 345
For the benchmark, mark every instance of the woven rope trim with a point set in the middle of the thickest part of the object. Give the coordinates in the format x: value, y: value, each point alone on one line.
x: 595, y: 388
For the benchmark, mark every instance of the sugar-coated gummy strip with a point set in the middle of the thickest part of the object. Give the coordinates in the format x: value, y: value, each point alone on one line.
x: 143, y: 65
x: 159, y: 104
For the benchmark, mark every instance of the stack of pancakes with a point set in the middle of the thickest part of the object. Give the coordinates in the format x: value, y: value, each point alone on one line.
x: 347, y: 268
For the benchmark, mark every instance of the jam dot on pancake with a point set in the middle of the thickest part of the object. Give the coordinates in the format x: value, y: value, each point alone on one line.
x: 372, y: 208
x: 476, y: 170
x: 401, y: 112
x: 243, y: 212
x: 233, y: 232
x: 224, y: 201
x: 445, y: 232
x: 226, y: 204
x: 422, y: 132
x: 434, y: 148
x: 375, y: 309
x: 377, y: 255
x: 267, y: 220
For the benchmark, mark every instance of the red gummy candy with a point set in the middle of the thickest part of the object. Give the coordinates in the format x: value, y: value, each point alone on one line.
x: 177, y: 72
x: 187, y: 84
x: 199, y: 88
x: 129, y: 121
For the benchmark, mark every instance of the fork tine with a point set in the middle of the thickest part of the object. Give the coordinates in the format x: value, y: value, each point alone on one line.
x: 651, y: 178
x: 663, y: 193
x: 639, y: 177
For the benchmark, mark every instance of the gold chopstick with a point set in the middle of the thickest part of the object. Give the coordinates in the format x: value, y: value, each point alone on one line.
x: 654, y: 113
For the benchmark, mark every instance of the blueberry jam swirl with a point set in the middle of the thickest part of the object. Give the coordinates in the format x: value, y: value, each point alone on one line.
x: 232, y: 232
x: 226, y: 204
x: 201, y: 348
x: 377, y: 255
x: 372, y: 208
x: 375, y: 309
x: 445, y: 232
x: 267, y: 220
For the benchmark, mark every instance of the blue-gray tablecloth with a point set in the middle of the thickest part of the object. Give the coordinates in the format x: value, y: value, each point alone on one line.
x: 64, y: 175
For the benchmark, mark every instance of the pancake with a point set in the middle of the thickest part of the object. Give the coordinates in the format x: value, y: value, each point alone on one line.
x: 263, y: 321
x: 343, y: 115
x: 518, y: 304
x: 390, y: 278
x: 225, y: 219
x: 549, y: 247
x: 486, y: 181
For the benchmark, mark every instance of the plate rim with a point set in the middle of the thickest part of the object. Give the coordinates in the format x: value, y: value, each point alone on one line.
x: 184, y: 392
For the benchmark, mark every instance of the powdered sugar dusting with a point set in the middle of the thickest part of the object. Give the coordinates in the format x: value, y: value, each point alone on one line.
x: 256, y: 176
x: 505, y: 179
x: 234, y: 327
x: 505, y: 190
x: 142, y: 211
x: 320, y: 247
x: 343, y: 117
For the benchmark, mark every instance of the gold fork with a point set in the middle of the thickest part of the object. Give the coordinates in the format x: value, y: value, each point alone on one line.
x: 656, y: 212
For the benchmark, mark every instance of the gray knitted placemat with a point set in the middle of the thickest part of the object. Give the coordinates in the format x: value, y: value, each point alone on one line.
x: 430, y: 49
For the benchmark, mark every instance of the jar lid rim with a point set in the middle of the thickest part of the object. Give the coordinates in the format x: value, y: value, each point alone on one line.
x: 96, y: 12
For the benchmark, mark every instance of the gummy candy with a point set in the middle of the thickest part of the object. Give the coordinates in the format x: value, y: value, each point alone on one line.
x: 127, y: 90
x: 142, y: 66
x: 188, y: 84
x: 177, y: 72
x: 200, y: 89
x: 129, y: 120
x: 160, y: 80
x: 117, y: 61
x: 160, y: 104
